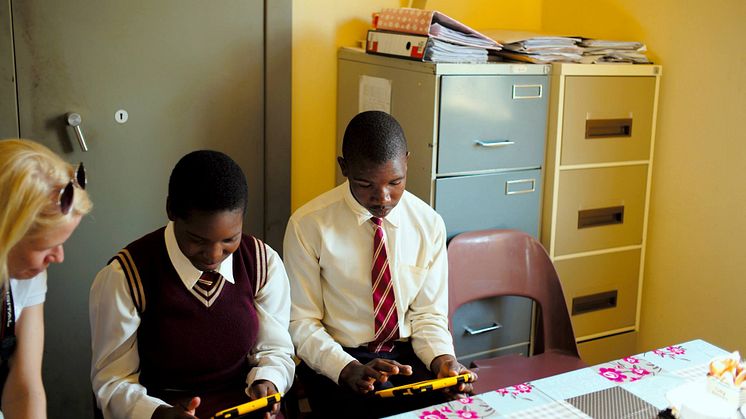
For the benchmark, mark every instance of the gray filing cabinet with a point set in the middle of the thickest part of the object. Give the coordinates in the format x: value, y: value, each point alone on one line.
x: 476, y: 134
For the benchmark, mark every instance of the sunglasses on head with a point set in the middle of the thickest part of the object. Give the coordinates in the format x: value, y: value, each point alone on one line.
x: 66, y: 193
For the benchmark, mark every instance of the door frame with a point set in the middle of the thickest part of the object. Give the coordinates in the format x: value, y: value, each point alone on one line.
x: 278, y: 52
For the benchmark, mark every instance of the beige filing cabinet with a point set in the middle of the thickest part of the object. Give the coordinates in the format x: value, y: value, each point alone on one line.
x: 596, y: 196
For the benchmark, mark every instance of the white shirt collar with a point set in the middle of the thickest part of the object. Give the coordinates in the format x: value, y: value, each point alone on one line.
x: 363, y: 215
x: 187, y: 272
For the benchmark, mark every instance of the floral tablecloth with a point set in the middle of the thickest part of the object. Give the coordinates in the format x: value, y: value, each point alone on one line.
x: 632, y: 387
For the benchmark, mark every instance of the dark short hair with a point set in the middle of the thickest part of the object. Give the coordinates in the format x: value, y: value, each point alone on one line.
x: 206, y: 180
x: 375, y: 137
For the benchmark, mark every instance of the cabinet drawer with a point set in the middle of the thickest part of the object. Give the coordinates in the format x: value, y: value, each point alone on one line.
x: 607, y: 119
x: 483, y: 328
x: 607, y: 349
x: 498, y: 200
x: 601, y: 291
x: 600, y: 208
x: 505, y: 114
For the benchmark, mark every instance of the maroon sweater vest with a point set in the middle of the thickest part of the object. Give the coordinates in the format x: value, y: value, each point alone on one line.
x: 187, y: 349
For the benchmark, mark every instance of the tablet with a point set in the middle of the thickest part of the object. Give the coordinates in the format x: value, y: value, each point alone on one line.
x: 424, y: 386
x: 242, y: 409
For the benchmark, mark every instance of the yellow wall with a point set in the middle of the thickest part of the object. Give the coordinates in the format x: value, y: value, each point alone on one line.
x: 695, y: 275
x: 694, y: 285
x: 320, y: 27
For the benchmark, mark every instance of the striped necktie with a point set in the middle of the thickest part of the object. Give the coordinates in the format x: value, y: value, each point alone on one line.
x: 384, y: 304
x: 208, y: 287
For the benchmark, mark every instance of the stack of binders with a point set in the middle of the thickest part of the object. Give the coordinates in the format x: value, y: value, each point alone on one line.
x: 427, y: 35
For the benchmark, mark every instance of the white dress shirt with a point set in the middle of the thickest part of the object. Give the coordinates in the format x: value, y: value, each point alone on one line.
x: 328, y: 252
x: 115, y: 365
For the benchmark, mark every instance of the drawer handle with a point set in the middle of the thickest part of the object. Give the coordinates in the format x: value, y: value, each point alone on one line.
x: 606, y: 128
x: 598, y: 217
x: 494, y: 143
x: 527, y: 91
x: 511, y: 186
x: 472, y: 331
x: 594, y: 302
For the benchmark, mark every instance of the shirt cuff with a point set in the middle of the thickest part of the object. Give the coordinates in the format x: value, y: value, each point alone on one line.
x: 429, y: 353
x: 270, y: 374
x: 333, y: 364
x: 145, y: 407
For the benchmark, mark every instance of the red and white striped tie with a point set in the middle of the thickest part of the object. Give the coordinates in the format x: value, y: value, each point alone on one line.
x: 384, y: 304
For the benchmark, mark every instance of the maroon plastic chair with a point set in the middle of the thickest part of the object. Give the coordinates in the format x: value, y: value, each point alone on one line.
x: 490, y: 263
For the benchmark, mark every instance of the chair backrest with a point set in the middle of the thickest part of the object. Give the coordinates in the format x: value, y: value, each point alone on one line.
x: 488, y: 263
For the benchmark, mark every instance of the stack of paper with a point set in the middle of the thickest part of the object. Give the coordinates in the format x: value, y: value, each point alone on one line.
x: 604, y: 51
x: 444, y: 52
x: 537, y: 48
x: 403, y: 32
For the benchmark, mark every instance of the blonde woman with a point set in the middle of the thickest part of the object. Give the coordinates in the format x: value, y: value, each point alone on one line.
x: 42, y: 199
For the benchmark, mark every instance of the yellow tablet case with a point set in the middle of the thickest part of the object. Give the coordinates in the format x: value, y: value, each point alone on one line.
x: 242, y: 409
x: 424, y: 386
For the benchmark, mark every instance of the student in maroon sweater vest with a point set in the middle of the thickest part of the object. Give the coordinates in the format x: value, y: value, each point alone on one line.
x: 192, y: 318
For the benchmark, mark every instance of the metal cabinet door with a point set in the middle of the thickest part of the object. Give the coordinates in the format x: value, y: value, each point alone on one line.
x: 497, y: 200
x: 491, y: 122
x: 189, y: 74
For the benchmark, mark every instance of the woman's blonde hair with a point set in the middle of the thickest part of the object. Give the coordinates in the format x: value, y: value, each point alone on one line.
x: 31, y: 178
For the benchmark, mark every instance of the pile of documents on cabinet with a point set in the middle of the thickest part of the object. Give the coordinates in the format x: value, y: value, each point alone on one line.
x: 544, y: 48
x: 427, y: 35
x: 600, y: 51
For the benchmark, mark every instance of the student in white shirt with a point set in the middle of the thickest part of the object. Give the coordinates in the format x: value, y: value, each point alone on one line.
x: 43, y: 200
x: 192, y: 318
x: 329, y: 253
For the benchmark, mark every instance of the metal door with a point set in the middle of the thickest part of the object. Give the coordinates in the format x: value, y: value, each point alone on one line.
x: 189, y: 74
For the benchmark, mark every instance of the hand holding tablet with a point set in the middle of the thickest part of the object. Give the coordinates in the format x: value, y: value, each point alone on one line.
x: 425, y: 386
x: 254, y: 405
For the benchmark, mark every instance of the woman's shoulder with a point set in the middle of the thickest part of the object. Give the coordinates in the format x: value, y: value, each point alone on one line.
x: 28, y: 292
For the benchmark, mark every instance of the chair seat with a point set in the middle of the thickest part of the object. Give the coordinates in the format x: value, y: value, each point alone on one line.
x: 509, y: 370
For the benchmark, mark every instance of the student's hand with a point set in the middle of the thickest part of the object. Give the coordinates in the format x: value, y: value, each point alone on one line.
x: 182, y: 410
x: 360, y: 378
x: 446, y: 366
x: 264, y: 388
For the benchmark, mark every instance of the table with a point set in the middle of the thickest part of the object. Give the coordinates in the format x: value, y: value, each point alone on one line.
x: 632, y: 387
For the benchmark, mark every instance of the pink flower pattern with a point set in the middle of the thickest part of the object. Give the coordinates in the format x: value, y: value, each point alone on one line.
x: 639, y: 371
x: 466, y: 408
x: 628, y: 369
x: 612, y: 374
x: 432, y: 414
x: 516, y: 391
x: 523, y: 388
x: 467, y: 414
x: 673, y: 352
x: 677, y: 350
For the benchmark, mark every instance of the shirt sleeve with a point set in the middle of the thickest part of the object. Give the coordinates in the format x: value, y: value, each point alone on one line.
x: 272, y: 357
x: 429, y: 310
x: 115, y: 360
x: 313, y: 343
x: 38, y: 291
